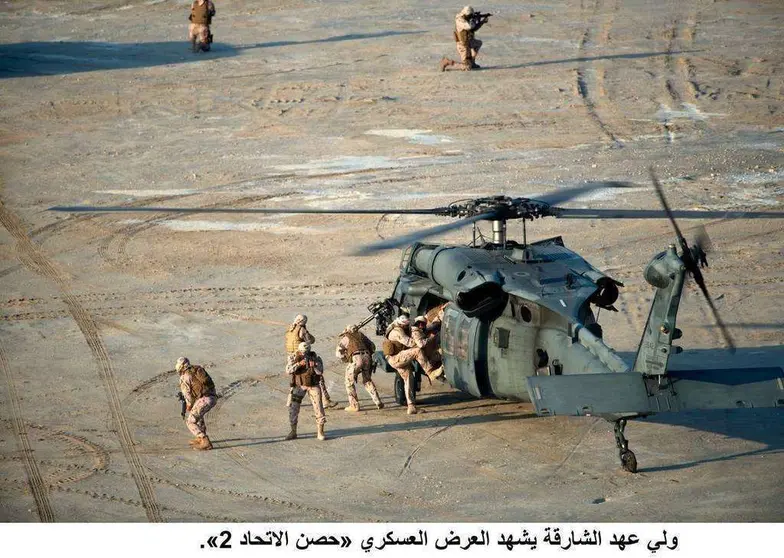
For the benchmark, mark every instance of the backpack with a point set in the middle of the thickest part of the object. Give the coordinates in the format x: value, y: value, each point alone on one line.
x: 201, y: 383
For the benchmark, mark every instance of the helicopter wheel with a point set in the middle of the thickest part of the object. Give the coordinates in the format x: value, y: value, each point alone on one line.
x: 400, y: 391
x: 629, y: 461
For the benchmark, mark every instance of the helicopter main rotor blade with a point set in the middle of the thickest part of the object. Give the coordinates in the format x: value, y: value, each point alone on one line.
x: 399, y: 241
x: 566, y: 194
x: 570, y: 213
x: 124, y: 209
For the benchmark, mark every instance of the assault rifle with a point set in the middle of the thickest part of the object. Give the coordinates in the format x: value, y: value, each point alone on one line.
x: 183, y: 404
x: 478, y: 19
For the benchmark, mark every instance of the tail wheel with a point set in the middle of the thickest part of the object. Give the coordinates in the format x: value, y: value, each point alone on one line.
x: 629, y: 461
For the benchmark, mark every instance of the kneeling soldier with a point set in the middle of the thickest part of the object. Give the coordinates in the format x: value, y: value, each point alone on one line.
x: 198, y: 390
x: 306, y: 367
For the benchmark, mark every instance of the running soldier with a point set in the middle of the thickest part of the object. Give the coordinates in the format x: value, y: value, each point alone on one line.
x: 466, y: 24
x: 298, y: 333
x: 355, y: 349
x: 198, y: 390
x: 202, y: 12
x: 305, y: 367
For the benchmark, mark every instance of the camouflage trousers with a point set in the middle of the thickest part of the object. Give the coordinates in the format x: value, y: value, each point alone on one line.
x: 360, y: 365
x: 467, y: 56
x: 315, y: 399
x: 195, y: 419
x: 198, y: 31
x: 402, y: 362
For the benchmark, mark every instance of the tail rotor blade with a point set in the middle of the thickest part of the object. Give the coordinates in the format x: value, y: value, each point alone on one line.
x: 697, y: 274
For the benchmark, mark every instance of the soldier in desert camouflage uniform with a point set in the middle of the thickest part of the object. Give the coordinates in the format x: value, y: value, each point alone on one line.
x: 428, y: 340
x: 467, y: 45
x: 355, y: 349
x: 306, y: 367
x: 298, y: 333
x: 202, y: 12
x: 198, y: 390
x: 401, y: 351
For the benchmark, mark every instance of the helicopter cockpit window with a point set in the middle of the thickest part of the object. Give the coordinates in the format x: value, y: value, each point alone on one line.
x: 525, y: 313
x: 406, y: 259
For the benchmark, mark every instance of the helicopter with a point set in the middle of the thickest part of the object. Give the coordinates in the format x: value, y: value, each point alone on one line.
x: 518, y: 317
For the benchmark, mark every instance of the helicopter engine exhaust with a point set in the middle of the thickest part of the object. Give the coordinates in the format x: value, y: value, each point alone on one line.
x: 451, y: 268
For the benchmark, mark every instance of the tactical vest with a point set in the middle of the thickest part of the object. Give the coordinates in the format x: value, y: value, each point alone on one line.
x: 201, y: 14
x: 391, y: 348
x: 201, y: 383
x: 356, y: 342
x: 293, y: 340
x: 307, y: 377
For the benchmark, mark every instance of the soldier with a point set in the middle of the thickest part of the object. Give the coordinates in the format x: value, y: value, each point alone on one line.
x: 296, y: 334
x: 467, y: 46
x: 401, y: 351
x: 355, y: 349
x: 198, y: 390
x: 306, y: 366
x: 428, y: 340
x: 202, y: 12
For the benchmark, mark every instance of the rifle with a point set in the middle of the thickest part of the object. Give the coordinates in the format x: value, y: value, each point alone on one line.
x: 183, y: 404
x: 479, y: 19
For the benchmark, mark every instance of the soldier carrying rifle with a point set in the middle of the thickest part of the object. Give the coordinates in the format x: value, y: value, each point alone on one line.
x: 467, y: 22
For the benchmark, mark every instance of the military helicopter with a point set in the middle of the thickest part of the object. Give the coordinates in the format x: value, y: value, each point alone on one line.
x: 519, y: 321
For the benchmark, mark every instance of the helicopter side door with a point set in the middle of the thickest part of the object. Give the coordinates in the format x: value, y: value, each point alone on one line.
x: 510, y: 349
x: 463, y: 342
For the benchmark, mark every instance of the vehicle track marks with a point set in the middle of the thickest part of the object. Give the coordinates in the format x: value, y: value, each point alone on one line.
x: 582, y: 73
x: 29, y: 252
x: 410, y: 458
x: 34, y: 478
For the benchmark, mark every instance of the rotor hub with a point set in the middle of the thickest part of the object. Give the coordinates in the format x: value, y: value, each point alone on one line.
x: 502, y: 208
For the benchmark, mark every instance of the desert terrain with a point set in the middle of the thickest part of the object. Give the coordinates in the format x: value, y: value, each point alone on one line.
x: 340, y: 104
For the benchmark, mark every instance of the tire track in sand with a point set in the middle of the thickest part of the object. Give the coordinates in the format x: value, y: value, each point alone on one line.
x: 32, y: 257
x: 582, y: 72
x: 34, y: 478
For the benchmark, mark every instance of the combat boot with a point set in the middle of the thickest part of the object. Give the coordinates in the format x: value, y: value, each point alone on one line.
x: 329, y: 404
x: 445, y: 63
x: 435, y: 373
x: 203, y: 443
x: 380, y: 405
x: 293, y: 434
x: 351, y: 409
x: 412, y: 410
x: 321, y: 436
x: 194, y: 441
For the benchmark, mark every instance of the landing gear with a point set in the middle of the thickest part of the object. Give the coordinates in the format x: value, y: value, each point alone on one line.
x: 628, y: 459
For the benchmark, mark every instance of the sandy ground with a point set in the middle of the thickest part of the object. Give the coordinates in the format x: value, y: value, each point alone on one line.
x: 340, y: 104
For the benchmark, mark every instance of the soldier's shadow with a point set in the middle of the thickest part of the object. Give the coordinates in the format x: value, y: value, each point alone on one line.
x: 414, y: 424
x: 69, y: 57
x: 65, y: 57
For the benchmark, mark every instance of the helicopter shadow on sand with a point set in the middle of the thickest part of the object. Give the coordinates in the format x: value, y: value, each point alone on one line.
x: 67, y: 57
x: 764, y: 425
x: 628, y: 56
x: 422, y: 422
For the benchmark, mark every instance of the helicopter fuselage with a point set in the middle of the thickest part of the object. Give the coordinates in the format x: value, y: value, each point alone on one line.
x: 514, y: 311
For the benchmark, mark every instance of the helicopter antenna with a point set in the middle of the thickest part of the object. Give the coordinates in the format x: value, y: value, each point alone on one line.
x: 525, y: 238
